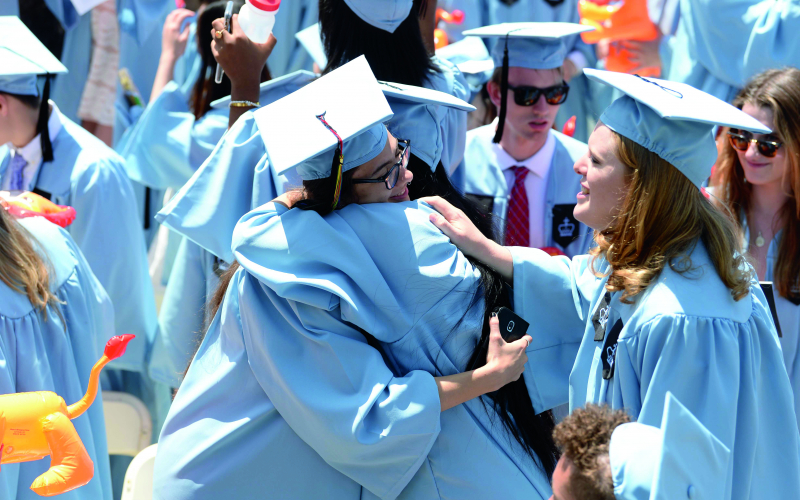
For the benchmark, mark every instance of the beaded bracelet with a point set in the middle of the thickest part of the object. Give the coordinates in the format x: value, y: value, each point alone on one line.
x: 244, y: 104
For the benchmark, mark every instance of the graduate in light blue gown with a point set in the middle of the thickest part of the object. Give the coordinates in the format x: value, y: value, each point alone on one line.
x: 757, y: 183
x: 333, y: 410
x: 52, y: 345
x: 579, y: 55
x: 719, y: 46
x: 56, y: 158
x: 666, y: 301
x: 534, y: 58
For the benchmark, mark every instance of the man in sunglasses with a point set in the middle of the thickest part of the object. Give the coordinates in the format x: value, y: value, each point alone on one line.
x: 518, y: 167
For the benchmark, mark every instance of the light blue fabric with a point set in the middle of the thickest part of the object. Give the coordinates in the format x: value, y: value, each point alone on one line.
x: 383, y: 14
x: 685, y: 334
x: 486, y: 181
x: 453, y: 122
x: 20, y: 85
x: 288, y: 55
x: 188, y: 66
x: 680, y: 459
x: 530, y: 53
x: 466, y: 50
x: 719, y: 46
x: 167, y: 144
x: 788, y: 317
x: 57, y: 354
x: 309, y: 374
x: 356, y: 150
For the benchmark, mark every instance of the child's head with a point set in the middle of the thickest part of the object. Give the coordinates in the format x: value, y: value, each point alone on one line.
x: 584, y: 470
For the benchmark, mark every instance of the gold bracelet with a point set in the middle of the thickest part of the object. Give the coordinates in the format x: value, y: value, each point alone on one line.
x: 244, y: 104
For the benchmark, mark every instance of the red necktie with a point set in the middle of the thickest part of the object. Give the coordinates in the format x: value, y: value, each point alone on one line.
x: 518, y: 223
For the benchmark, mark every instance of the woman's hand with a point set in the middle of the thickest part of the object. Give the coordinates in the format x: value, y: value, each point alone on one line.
x: 457, y: 226
x: 173, y: 40
x: 241, y: 59
x: 505, y: 361
x: 289, y: 198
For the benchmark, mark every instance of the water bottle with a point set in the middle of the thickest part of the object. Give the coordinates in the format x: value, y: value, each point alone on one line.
x: 257, y: 17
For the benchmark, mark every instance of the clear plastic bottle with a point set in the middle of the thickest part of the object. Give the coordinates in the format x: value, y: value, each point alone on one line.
x: 257, y: 17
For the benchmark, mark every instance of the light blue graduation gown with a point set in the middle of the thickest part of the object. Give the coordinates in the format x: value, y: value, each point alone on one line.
x: 684, y: 334
x: 321, y: 402
x: 167, y: 144
x: 788, y: 317
x: 188, y: 66
x: 579, y: 103
x: 720, y: 45
x: 57, y: 354
x: 289, y: 55
x: 453, y: 121
x: 487, y: 185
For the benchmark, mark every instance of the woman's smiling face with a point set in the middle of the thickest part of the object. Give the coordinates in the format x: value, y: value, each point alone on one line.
x: 759, y: 169
x: 378, y: 167
x: 603, y: 180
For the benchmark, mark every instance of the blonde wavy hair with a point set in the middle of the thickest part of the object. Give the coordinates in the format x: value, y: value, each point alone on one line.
x: 663, y: 216
x: 21, y: 267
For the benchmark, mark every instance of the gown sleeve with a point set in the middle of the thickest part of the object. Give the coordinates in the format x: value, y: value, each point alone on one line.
x: 108, y: 232
x: 168, y: 144
x: 553, y: 294
x: 735, y: 39
x: 336, y: 392
x: 181, y: 318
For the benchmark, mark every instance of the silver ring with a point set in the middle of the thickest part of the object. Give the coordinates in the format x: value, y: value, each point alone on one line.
x: 527, y: 343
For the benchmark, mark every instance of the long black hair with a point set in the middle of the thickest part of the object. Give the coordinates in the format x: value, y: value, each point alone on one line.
x: 205, y: 90
x: 394, y: 57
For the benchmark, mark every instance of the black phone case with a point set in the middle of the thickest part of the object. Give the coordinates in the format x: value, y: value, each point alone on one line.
x: 512, y: 327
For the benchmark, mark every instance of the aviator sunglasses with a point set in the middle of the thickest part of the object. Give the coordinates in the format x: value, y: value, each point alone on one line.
x: 741, y: 139
x: 527, y: 96
x: 391, y: 177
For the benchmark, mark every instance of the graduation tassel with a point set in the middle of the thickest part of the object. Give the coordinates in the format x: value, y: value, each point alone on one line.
x: 338, y: 163
x: 501, y: 119
x: 44, y: 117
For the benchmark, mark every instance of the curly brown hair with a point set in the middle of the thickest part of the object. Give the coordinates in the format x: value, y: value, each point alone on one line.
x: 583, y: 438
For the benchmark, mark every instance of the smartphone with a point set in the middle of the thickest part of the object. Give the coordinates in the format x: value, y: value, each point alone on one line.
x: 228, y: 16
x: 512, y: 327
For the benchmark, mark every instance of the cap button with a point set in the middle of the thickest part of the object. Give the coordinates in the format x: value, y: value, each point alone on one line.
x: 690, y: 492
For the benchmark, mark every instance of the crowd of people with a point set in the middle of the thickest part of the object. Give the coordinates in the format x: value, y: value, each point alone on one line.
x: 319, y: 252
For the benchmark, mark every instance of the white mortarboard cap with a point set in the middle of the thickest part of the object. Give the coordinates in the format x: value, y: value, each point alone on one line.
x: 311, y: 40
x: 275, y: 89
x: 530, y: 45
x: 352, y: 104
x: 671, y: 119
x: 416, y: 118
x: 383, y: 14
x: 682, y: 459
x: 22, y: 58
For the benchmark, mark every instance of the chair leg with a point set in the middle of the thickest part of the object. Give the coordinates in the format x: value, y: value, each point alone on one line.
x: 70, y: 465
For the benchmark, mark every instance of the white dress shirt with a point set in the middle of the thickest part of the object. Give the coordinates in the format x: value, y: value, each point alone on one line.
x: 32, y: 152
x: 535, y: 184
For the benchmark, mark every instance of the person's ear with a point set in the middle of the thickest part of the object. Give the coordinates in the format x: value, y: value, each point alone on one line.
x: 494, y: 93
x: 4, y: 109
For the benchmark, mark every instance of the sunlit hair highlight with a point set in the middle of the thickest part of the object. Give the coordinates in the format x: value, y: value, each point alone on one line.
x: 21, y: 267
x: 662, y: 217
x: 779, y: 91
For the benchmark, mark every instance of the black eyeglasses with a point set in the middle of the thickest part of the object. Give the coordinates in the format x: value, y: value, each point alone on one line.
x: 391, y: 177
x: 741, y: 139
x: 527, y: 96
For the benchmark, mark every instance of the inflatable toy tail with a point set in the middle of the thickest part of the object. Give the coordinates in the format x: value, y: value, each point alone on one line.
x: 115, y: 348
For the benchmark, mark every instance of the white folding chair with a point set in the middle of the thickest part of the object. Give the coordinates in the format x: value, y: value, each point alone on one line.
x: 128, y: 424
x: 139, y: 476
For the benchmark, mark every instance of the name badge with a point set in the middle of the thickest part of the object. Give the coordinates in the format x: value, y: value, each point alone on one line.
x: 565, y: 225
x: 609, y: 354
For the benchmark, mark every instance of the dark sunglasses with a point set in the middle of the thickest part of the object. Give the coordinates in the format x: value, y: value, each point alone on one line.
x: 741, y: 139
x: 527, y: 96
x: 391, y: 177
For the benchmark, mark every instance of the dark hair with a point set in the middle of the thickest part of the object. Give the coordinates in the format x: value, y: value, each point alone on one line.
x: 395, y: 57
x: 512, y: 402
x: 30, y: 101
x: 206, y: 90
x: 584, y: 437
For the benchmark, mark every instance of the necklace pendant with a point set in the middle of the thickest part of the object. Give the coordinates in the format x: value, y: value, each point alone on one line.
x: 760, y: 240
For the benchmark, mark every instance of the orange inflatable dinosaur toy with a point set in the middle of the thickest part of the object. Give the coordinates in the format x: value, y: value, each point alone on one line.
x: 30, y: 204
x: 617, y: 21
x: 36, y: 424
